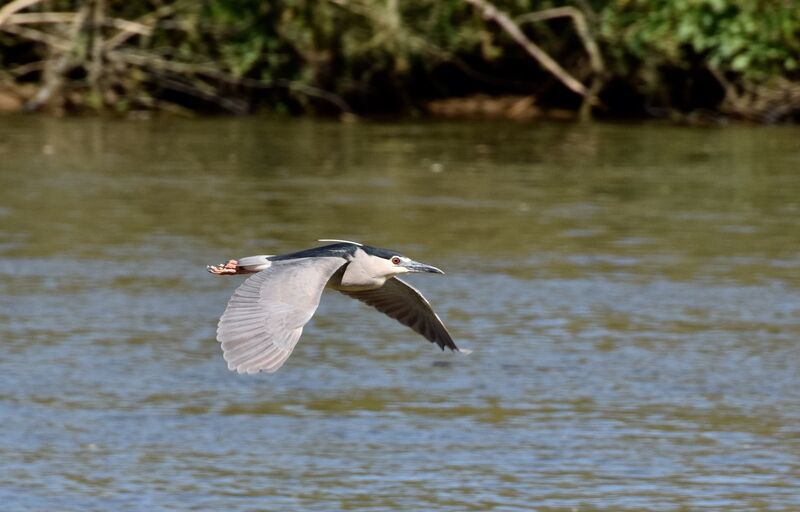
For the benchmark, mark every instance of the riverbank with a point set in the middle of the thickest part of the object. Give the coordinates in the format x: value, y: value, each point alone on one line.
x: 710, y: 59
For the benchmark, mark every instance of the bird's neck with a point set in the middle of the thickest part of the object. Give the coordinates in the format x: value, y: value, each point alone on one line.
x: 348, y: 280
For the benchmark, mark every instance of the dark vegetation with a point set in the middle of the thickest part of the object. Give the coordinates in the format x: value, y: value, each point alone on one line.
x: 684, y: 59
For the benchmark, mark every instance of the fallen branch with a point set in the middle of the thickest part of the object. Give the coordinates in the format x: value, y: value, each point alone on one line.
x: 159, y: 64
x: 15, y: 6
x: 30, y: 67
x: 54, y: 42
x: 292, y: 85
x: 731, y: 96
x: 132, y: 28
x: 57, y: 67
x: 764, y: 103
x: 83, y: 46
x: 94, y: 66
x: 182, y: 68
x: 581, y: 27
x: 129, y: 27
x: 231, y: 105
x: 35, y: 18
x: 512, y: 29
x: 39, y: 17
x: 589, y: 44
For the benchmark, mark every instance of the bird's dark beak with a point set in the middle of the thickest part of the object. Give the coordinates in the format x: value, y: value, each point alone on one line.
x: 415, y: 266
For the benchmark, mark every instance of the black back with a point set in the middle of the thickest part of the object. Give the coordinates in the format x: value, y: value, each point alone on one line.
x: 341, y: 250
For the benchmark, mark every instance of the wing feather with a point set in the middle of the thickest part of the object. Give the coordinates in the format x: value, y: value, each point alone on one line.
x: 266, y: 314
x: 401, y: 301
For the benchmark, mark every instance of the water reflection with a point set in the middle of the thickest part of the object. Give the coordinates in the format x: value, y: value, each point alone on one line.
x: 631, y: 293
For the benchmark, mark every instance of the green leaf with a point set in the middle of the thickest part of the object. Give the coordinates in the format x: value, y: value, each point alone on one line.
x: 741, y: 62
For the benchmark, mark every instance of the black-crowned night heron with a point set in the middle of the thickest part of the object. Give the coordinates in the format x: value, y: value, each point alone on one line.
x: 266, y: 314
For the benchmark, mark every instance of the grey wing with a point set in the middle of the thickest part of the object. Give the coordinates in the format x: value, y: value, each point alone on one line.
x: 404, y: 303
x: 266, y: 314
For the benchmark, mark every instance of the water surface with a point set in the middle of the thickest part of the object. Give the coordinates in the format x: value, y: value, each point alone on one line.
x: 631, y: 293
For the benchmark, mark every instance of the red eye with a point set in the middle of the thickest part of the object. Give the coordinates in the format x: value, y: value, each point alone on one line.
x: 396, y: 260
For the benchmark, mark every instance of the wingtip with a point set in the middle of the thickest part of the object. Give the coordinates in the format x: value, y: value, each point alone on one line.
x: 465, y: 351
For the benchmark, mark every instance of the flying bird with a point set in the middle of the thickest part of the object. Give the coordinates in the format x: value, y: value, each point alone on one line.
x: 266, y: 314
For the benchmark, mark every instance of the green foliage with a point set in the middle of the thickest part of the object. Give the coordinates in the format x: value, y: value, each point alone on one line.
x: 386, y: 48
x: 758, y: 39
x: 347, y: 47
x: 351, y: 46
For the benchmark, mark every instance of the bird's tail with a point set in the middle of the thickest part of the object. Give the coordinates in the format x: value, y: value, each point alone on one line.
x: 255, y: 263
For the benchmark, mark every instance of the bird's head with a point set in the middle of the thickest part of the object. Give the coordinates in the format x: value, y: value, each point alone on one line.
x: 391, y: 263
x: 387, y: 262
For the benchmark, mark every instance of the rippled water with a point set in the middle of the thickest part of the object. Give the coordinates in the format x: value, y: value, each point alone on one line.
x: 632, y: 294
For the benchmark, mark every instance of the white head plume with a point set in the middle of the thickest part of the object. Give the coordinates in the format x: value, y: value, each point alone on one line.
x: 342, y: 241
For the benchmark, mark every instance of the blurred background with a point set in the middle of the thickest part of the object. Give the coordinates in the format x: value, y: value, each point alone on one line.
x: 701, y: 61
x: 630, y: 288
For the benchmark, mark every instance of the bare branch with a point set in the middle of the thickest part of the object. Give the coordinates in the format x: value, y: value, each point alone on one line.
x: 94, y: 66
x: 157, y: 63
x: 148, y: 20
x: 581, y: 27
x: 182, y: 68
x: 57, y: 67
x: 15, y: 6
x: 589, y: 44
x: 512, y: 29
x: 84, y: 46
x: 55, y: 42
x: 197, y: 90
x: 30, y: 67
x: 32, y: 18
x: 130, y: 27
x: 28, y: 18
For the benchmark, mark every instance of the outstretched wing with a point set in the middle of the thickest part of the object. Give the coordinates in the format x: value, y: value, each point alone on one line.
x: 404, y: 303
x: 266, y: 314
